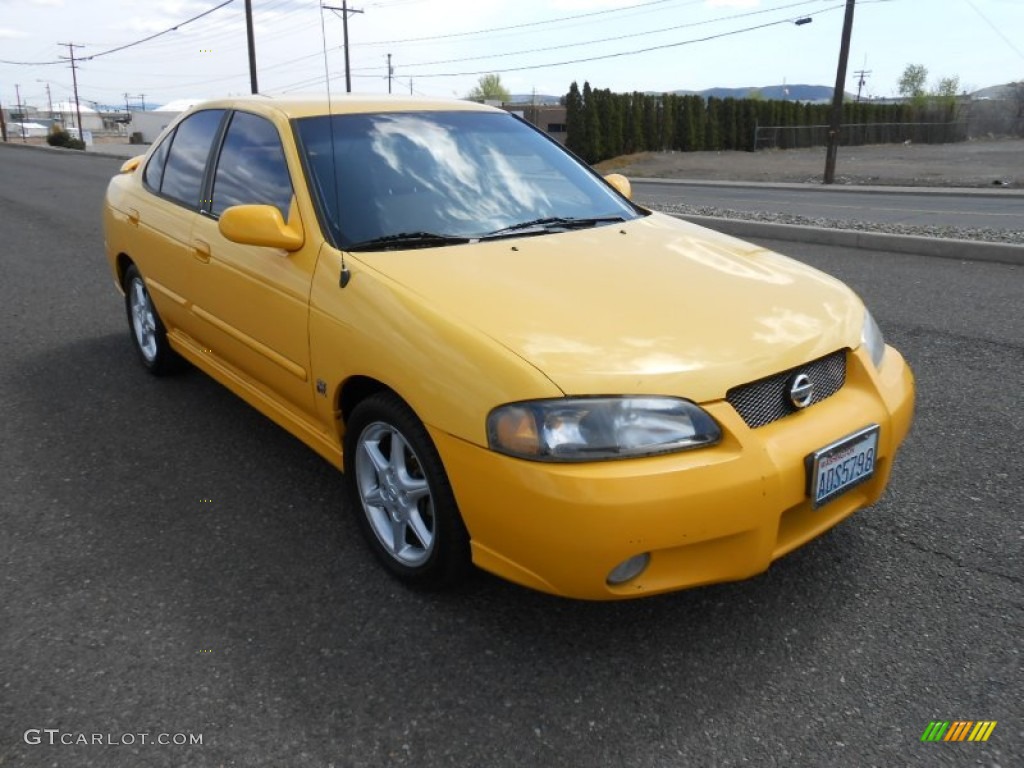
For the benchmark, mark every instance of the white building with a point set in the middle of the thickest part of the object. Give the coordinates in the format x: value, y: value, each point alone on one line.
x: 150, y: 124
x: 66, y: 113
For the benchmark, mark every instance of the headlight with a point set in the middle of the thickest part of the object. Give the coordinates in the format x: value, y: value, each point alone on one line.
x: 871, y: 337
x: 592, y: 428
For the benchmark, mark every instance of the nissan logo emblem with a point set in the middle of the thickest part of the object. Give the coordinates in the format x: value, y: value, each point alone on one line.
x: 801, y: 390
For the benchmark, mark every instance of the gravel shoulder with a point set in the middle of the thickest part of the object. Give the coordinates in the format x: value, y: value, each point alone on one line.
x: 990, y: 163
x: 996, y: 164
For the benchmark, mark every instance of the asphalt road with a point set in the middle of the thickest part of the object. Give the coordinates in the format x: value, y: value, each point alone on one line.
x: 173, y: 563
x: 924, y: 208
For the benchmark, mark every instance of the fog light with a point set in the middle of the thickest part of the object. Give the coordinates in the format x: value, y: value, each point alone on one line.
x: 629, y: 569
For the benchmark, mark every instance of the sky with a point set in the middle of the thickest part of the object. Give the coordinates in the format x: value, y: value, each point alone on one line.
x: 440, y: 48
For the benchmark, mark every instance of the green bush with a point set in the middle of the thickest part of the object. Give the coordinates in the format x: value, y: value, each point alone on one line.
x: 58, y: 137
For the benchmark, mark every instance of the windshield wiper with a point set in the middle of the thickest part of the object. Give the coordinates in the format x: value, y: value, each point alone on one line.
x: 550, y: 223
x: 407, y: 240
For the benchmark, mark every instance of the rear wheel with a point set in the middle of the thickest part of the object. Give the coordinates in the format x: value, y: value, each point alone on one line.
x: 147, y: 331
x: 401, y: 495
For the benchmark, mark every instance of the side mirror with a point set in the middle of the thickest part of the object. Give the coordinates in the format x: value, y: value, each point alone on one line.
x: 621, y: 184
x: 130, y: 165
x: 259, y: 225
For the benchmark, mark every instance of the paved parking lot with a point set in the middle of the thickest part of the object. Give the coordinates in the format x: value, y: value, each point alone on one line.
x: 173, y: 563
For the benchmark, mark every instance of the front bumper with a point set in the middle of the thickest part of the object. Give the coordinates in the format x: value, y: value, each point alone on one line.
x: 708, y: 515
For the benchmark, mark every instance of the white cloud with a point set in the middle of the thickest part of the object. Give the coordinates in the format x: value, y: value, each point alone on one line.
x: 11, y: 34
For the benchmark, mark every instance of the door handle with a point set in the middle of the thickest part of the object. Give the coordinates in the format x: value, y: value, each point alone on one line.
x: 133, y: 217
x: 201, y: 250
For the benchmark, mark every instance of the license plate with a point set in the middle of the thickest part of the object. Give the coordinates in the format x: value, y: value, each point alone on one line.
x: 838, y: 467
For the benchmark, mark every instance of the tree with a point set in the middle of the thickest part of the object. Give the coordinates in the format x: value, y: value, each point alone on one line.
x: 575, y: 127
x: 489, y: 87
x: 911, y: 84
x: 592, y: 149
x: 948, y: 87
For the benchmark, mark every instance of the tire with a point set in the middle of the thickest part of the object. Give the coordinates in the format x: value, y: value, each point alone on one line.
x: 149, y: 337
x: 402, y: 500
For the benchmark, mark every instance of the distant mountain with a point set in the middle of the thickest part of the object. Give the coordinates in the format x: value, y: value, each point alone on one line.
x: 1005, y: 91
x: 795, y: 92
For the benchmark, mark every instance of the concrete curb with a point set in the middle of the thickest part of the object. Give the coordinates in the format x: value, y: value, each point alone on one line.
x: 75, y: 152
x: 839, y: 188
x: 964, y: 250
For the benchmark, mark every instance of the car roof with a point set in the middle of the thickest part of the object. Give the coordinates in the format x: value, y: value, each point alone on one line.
x: 341, y: 104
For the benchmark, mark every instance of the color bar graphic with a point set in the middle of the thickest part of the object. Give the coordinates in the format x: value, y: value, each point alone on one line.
x: 958, y: 730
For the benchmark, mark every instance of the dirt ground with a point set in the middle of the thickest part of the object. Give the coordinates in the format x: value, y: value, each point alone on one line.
x: 979, y: 163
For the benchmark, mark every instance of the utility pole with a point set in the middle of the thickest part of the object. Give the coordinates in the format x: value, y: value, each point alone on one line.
x: 21, y: 111
x: 862, y: 75
x: 3, y: 124
x: 74, y: 81
x: 391, y: 71
x: 837, y: 96
x: 140, y: 96
x: 49, y: 100
x: 252, y: 46
x: 345, y: 11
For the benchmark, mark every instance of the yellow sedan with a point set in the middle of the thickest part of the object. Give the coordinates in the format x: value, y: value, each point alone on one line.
x: 513, y: 365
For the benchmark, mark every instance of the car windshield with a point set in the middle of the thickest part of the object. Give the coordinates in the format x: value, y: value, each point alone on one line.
x: 404, y: 179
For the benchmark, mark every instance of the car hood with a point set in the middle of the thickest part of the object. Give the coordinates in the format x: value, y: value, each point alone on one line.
x: 652, y: 306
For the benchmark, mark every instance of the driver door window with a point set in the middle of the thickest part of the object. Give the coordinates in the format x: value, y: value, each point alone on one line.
x: 252, y: 167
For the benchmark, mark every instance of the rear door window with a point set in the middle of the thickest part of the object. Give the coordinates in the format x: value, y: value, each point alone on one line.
x: 154, y: 173
x: 186, y: 161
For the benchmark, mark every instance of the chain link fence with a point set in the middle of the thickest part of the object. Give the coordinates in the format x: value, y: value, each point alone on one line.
x: 855, y: 134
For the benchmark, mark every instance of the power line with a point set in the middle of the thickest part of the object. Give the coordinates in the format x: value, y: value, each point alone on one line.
x: 159, y: 34
x: 610, y: 39
x: 995, y: 28
x: 521, y: 26
x: 175, y: 28
x: 620, y: 53
x: 314, y: 81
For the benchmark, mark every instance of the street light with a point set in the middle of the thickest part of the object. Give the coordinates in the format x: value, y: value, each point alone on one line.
x: 804, y: 20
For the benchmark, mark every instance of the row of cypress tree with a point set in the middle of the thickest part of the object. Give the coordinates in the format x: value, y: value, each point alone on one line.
x: 601, y: 124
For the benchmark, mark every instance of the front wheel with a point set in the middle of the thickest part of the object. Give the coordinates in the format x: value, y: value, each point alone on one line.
x: 401, y: 495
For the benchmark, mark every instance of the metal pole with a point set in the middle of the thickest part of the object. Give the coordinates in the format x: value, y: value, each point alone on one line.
x: 49, y: 100
x: 21, y: 111
x: 3, y: 124
x: 345, y: 11
x: 74, y: 81
x: 837, y: 96
x: 252, y: 46
x: 344, y: 26
x: 390, y: 70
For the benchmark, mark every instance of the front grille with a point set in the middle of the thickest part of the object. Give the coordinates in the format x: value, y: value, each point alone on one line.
x: 766, y: 400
